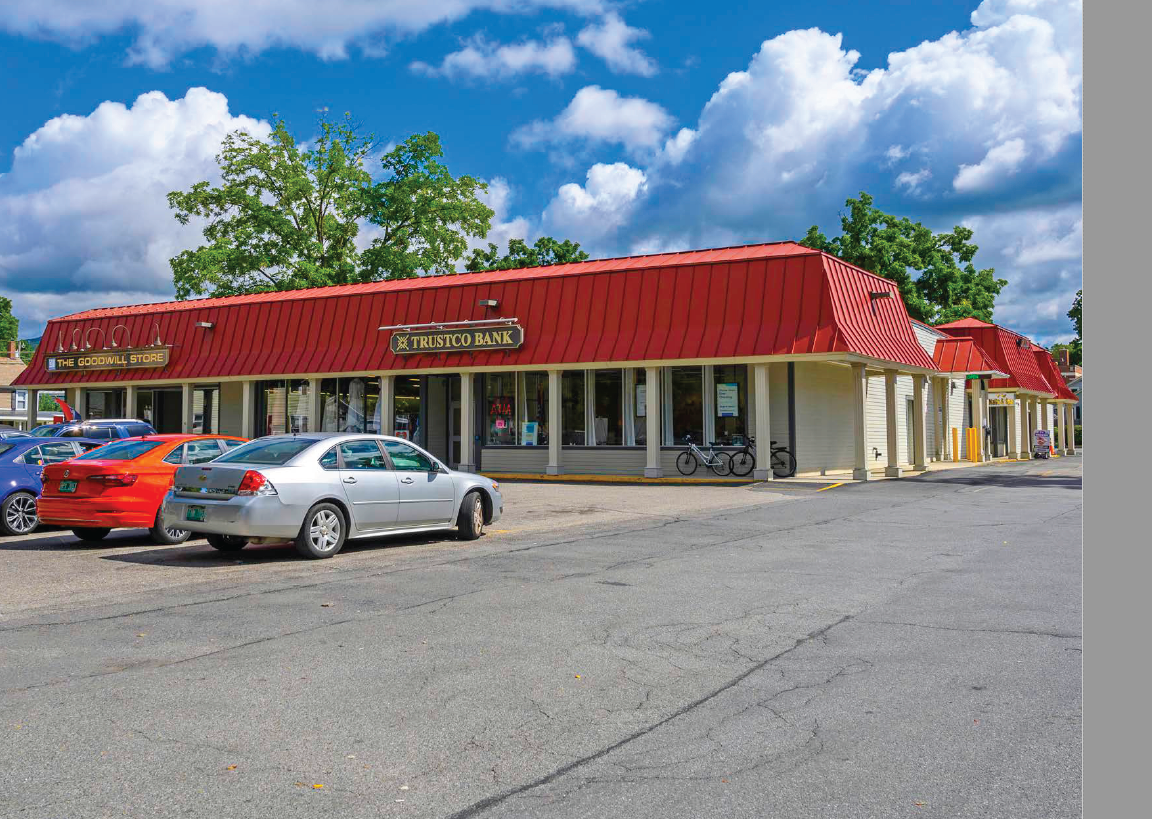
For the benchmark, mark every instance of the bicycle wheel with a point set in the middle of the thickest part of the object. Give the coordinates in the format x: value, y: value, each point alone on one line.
x: 743, y: 462
x: 722, y: 465
x: 783, y: 463
x: 686, y: 462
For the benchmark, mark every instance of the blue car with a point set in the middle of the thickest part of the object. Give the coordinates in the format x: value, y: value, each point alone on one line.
x: 21, y: 460
x: 100, y: 429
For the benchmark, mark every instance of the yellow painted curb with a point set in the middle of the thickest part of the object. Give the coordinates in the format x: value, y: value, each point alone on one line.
x: 619, y: 479
x: 833, y: 486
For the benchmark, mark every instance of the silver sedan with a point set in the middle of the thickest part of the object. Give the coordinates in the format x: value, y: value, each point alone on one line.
x: 318, y: 490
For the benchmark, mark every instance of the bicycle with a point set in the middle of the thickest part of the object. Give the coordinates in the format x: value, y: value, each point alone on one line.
x: 687, y: 461
x: 783, y: 462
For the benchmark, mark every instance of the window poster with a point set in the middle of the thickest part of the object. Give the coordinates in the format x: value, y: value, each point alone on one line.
x: 641, y: 400
x: 727, y: 400
x: 528, y: 433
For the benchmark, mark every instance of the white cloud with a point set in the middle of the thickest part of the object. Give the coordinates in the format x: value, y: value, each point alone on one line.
x: 997, y: 165
x: 612, y: 40
x: 597, y: 208
x: 600, y: 115
x: 481, y: 59
x: 83, y: 209
x: 676, y: 147
x: 166, y: 28
x: 913, y: 181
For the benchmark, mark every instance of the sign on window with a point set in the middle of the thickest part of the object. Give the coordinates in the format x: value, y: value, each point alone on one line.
x: 727, y: 400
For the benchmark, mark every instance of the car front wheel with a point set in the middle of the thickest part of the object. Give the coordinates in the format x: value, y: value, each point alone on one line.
x: 470, y: 522
x: 18, y: 514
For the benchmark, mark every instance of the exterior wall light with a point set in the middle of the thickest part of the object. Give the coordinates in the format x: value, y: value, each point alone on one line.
x: 204, y: 325
x: 489, y: 303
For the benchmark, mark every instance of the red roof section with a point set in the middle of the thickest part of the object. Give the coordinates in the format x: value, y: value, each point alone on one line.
x: 756, y: 300
x: 961, y: 354
x: 1011, y: 352
x: 1052, y: 375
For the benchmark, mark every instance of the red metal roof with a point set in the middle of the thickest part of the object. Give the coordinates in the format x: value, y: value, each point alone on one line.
x: 1052, y: 375
x: 1010, y: 351
x: 961, y: 354
x: 757, y: 300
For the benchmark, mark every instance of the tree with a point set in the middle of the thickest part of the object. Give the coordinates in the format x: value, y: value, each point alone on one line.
x: 287, y: 216
x: 545, y: 251
x: 1076, y: 348
x: 9, y: 324
x: 947, y: 286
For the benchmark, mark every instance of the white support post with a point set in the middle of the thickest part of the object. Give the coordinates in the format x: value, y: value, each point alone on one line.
x: 1062, y: 426
x: 763, y: 470
x: 978, y: 418
x: 32, y: 409
x: 1070, y: 415
x: 387, y: 404
x: 1021, y: 411
x: 315, y: 406
x: 893, y: 469
x: 946, y: 418
x: 130, y: 401
x: 919, y: 424
x: 937, y: 419
x: 74, y: 396
x: 555, y: 422
x: 1045, y: 414
x: 1012, y: 427
x: 467, y: 423
x: 186, y: 409
x: 247, y: 409
x: 859, y: 423
x: 653, y: 427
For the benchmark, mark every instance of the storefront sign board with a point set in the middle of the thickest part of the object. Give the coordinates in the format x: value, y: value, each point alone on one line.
x: 455, y: 340
x: 127, y: 359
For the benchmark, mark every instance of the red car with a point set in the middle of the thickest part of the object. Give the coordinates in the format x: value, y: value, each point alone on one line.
x: 122, y: 484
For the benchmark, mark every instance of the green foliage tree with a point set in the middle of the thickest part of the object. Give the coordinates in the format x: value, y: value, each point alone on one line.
x: 287, y: 216
x: 9, y: 324
x: 934, y: 272
x: 545, y: 251
x: 1077, y: 315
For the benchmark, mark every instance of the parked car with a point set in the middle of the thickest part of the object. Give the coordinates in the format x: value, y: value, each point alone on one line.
x: 319, y: 489
x: 122, y: 484
x: 21, y: 462
x: 102, y: 429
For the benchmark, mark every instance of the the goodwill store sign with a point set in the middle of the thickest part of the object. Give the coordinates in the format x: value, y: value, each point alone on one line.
x: 406, y: 342
x: 141, y: 358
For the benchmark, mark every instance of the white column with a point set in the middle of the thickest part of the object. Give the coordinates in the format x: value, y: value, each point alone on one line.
x: 859, y: 423
x: 467, y: 424
x: 919, y: 424
x: 653, y: 427
x: 1045, y: 414
x: 1070, y: 420
x: 1021, y: 412
x: 938, y: 389
x: 247, y: 409
x: 1062, y: 426
x: 32, y: 409
x: 74, y: 396
x: 315, y: 406
x: 387, y: 404
x: 186, y: 410
x: 1012, y: 427
x: 130, y: 401
x: 978, y: 418
x: 893, y: 469
x: 555, y: 422
x: 763, y: 470
x: 946, y: 418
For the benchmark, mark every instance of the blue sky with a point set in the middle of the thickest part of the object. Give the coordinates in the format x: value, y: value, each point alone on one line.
x: 629, y: 127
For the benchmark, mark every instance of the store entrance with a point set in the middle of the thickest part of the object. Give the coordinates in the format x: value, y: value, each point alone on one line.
x: 442, y: 418
x: 999, y: 422
x: 160, y: 408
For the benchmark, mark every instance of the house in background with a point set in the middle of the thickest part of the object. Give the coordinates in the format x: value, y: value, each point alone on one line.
x: 13, y: 401
x: 1074, y: 376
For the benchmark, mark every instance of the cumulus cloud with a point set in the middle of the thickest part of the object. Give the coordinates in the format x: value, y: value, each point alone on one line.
x: 163, y: 29
x: 913, y: 181
x: 596, y: 209
x: 83, y: 210
x: 484, y: 60
x: 997, y: 165
x: 600, y: 115
x: 611, y: 40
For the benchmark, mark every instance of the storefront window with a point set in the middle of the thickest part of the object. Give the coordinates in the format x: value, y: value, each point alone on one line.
x: 572, y: 412
x: 205, y: 410
x: 687, y: 403
x: 104, y: 403
x: 731, y: 405
x: 350, y: 404
x: 407, y: 408
x: 608, y: 403
x: 534, y: 409
x: 500, y: 409
x: 283, y: 407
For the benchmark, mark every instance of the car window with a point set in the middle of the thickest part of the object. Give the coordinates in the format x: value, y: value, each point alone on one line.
x: 99, y: 433
x: 44, y: 430
x: 176, y: 456
x: 203, y: 450
x: 362, y: 455
x: 5, y: 447
x: 329, y: 460
x: 55, y: 453
x: 230, y: 444
x: 137, y: 430
x: 75, y: 432
x: 406, y: 458
x: 270, y: 453
x: 87, y: 445
x: 33, y: 457
x: 119, y: 451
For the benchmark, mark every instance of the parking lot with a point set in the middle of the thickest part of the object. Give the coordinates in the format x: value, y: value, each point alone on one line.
x: 906, y: 648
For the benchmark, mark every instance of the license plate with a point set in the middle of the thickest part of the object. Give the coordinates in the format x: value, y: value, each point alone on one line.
x: 68, y: 486
x: 195, y: 513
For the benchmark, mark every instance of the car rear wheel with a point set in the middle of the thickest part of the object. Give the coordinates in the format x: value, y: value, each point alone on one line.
x: 18, y: 514
x: 470, y: 522
x: 167, y: 536
x: 226, y: 543
x: 323, y: 532
x: 91, y: 534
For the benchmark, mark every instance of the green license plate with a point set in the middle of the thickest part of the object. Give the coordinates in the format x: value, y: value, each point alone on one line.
x: 68, y: 486
x: 195, y: 513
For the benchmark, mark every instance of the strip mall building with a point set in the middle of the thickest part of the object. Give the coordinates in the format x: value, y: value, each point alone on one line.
x: 595, y: 367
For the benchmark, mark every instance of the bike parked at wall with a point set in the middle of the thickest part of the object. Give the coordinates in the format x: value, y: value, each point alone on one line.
x: 783, y: 462
x: 692, y: 456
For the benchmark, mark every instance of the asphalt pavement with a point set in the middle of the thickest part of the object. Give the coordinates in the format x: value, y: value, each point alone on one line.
x: 905, y: 648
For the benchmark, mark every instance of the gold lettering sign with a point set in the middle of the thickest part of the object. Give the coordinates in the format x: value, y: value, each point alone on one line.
x: 143, y: 358
x: 1001, y: 399
x: 407, y: 342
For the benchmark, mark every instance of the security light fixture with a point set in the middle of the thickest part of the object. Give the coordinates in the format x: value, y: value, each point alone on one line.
x: 204, y: 325
x: 880, y: 294
x: 489, y: 303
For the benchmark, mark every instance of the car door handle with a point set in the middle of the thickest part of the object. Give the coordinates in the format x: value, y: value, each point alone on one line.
x: 407, y: 480
x: 349, y: 479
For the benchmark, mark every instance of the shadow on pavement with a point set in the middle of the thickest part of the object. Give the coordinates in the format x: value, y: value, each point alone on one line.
x: 1007, y: 480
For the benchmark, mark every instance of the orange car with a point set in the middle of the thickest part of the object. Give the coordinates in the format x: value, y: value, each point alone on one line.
x: 121, y: 485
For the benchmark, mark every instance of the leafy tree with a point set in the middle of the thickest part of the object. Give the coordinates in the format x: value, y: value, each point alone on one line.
x: 545, y: 251
x: 9, y: 324
x: 287, y: 216
x: 934, y: 272
x: 1077, y: 316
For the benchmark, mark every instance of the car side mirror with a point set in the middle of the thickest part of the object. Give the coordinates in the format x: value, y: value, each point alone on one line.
x: 435, y: 467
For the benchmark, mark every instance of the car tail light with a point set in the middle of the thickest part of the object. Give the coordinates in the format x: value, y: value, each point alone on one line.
x: 114, y: 480
x: 254, y: 483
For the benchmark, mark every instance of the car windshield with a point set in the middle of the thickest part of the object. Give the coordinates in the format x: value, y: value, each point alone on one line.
x: 119, y: 451
x: 45, y: 429
x: 270, y: 453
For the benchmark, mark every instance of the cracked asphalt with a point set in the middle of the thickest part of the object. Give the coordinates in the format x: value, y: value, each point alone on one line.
x: 904, y: 648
